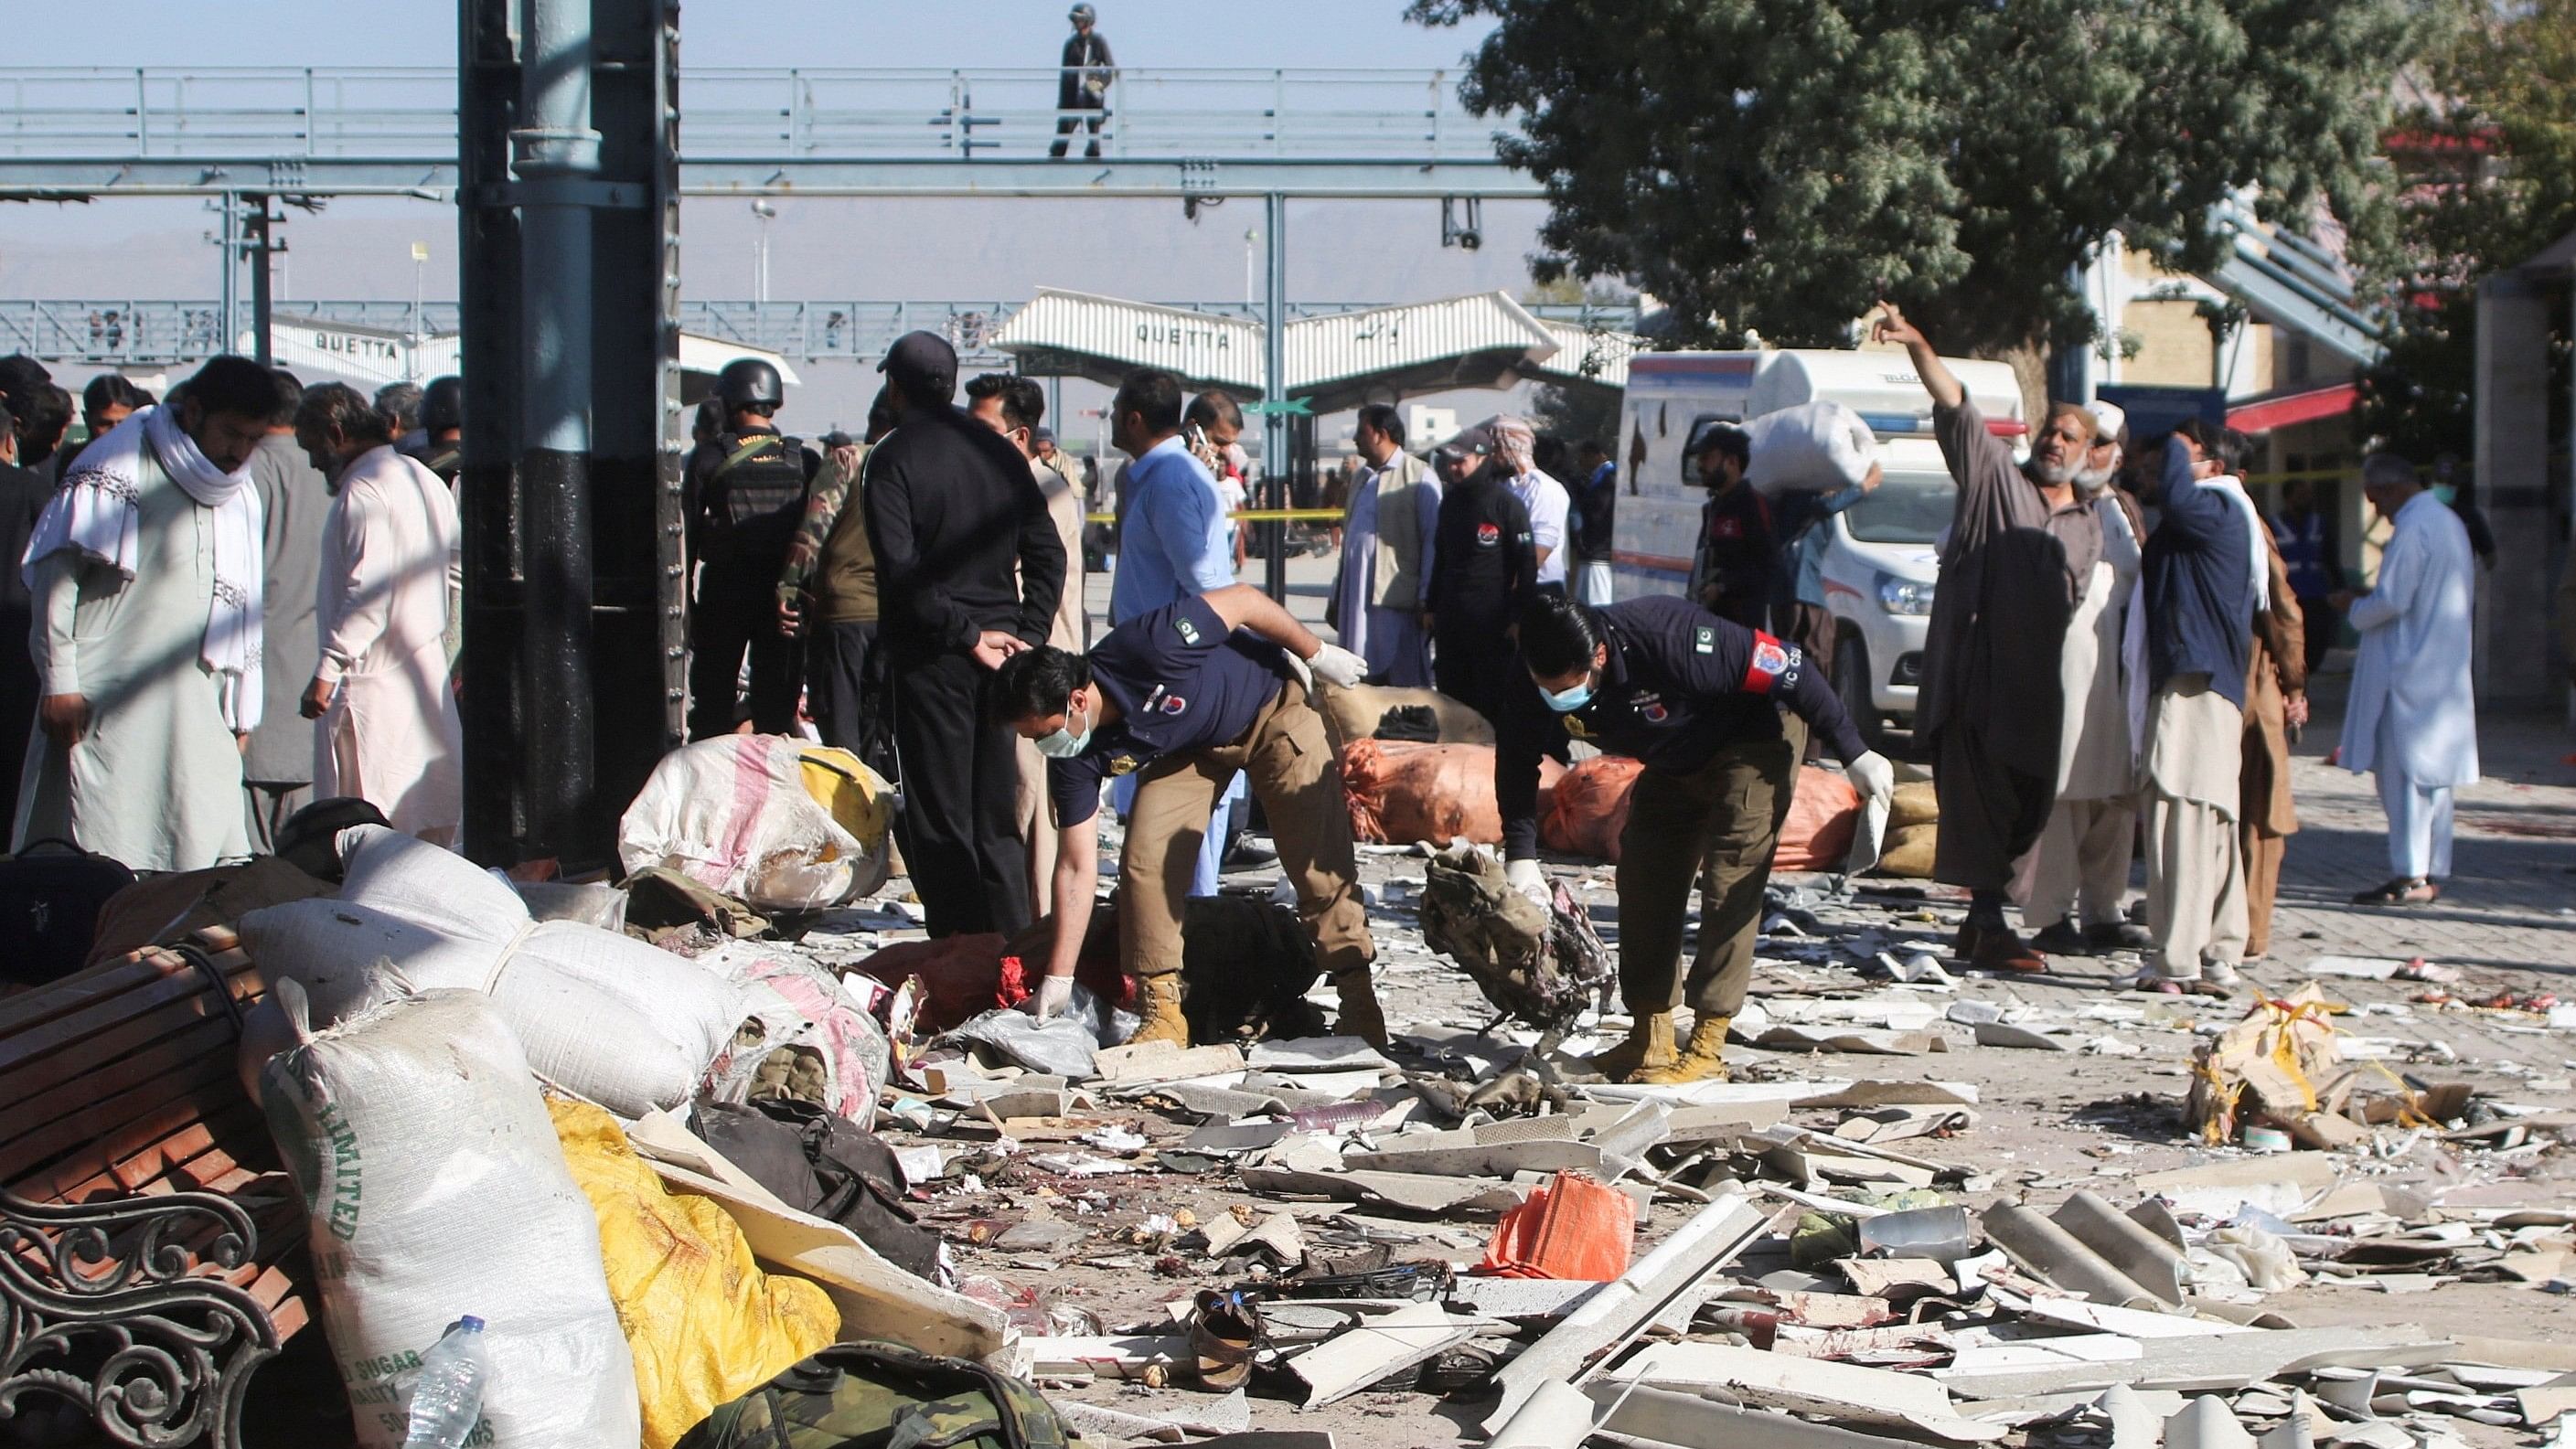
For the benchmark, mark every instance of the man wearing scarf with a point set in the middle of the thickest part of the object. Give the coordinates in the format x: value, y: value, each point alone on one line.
x: 2073, y: 882
x: 2206, y: 579
x: 2021, y: 551
x: 387, y: 729
x: 145, y: 570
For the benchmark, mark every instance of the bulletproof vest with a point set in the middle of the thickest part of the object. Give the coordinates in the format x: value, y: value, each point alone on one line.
x: 446, y: 462
x: 758, y: 489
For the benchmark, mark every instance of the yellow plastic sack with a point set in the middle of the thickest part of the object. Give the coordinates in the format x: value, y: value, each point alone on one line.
x: 705, y: 1324
x: 858, y: 797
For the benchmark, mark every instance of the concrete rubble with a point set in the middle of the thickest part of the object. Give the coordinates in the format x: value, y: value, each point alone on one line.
x: 1853, y: 1244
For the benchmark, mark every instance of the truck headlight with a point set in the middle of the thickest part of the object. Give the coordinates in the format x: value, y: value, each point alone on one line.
x: 1904, y: 596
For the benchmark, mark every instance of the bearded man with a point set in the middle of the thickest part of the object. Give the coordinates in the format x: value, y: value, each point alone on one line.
x: 2072, y: 884
x: 2022, y: 549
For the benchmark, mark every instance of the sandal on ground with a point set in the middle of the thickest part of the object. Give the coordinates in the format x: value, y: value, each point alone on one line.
x: 2400, y: 891
x: 2152, y: 984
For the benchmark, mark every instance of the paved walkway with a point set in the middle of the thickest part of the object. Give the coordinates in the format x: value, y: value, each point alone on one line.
x: 2511, y: 901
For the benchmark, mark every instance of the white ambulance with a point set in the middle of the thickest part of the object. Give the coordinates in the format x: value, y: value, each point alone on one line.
x: 1879, y: 569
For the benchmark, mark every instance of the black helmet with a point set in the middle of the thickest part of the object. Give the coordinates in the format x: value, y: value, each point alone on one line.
x: 748, y: 382
x: 442, y: 404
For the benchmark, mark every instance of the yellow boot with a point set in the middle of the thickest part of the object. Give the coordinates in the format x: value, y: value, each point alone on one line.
x: 1699, y: 1060
x: 1361, y: 1016
x: 1158, y: 1000
x: 1649, y: 1047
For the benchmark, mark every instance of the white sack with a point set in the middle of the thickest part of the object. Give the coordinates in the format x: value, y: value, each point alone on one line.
x: 732, y: 814
x: 1816, y: 447
x: 411, y: 880
x: 436, y: 1188
x: 623, y: 1023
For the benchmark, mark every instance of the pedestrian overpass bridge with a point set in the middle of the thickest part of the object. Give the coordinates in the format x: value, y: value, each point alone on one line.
x: 69, y: 133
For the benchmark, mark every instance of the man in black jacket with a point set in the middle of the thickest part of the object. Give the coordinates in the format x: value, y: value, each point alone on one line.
x: 1084, y: 84
x: 968, y: 574
x: 1483, y: 569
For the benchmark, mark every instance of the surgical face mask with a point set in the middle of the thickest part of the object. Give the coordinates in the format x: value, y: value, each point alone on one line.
x: 1568, y: 700
x: 1064, y: 744
x: 2448, y: 493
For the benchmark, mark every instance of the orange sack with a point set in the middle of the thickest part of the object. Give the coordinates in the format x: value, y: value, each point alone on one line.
x: 1591, y: 807
x: 1573, y: 1229
x: 1590, y: 811
x: 1400, y: 792
x: 1822, y: 821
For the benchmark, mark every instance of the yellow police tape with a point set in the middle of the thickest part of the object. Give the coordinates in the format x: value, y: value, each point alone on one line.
x: 1257, y: 515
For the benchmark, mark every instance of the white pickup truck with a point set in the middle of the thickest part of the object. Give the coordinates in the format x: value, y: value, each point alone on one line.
x: 1879, y: 568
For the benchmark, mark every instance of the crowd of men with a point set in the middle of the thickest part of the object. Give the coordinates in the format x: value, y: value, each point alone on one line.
x: 242, y: 598
x: 230, y: 602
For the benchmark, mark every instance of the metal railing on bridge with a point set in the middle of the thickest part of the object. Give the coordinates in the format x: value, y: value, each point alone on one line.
x: 391, y: 129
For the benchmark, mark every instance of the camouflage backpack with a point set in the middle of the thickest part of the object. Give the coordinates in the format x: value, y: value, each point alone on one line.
x: 881, y: 1394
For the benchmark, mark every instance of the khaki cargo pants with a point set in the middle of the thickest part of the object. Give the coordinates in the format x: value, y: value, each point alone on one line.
x: 1719, y: 823
x: 1298, y: 779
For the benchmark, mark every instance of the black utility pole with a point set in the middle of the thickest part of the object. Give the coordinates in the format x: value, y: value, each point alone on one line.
x: 568, y: 224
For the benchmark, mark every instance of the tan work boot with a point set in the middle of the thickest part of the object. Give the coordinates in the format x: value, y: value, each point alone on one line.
x: 1699, y: 1060
x: 1649, y: 1047
x: 1360, y: 1015
x: 1158, y: 1000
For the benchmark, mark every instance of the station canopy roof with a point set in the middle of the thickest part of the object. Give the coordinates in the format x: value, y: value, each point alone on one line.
x: 1335, y: 360
x: 374, y: 356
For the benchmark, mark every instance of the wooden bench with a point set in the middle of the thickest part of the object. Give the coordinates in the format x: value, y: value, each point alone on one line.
x: 151, y: 1246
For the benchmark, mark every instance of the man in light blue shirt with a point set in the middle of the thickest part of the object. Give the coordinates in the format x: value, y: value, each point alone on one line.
x: 1172, y: 545
x: 1171, y: 531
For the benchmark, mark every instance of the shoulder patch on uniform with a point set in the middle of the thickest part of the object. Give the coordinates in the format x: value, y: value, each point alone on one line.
x: 1704, y: 640
x: 1174, y: 704
x: 1769, y: 663
x: 1189, y: 631
x: 1488, y: 534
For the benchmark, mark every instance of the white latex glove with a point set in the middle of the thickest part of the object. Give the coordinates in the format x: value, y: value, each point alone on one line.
x: 1872, y: 776
x: 1298, y: 667
x: 1525, y: 876
x: 1052, y: 999
x: 1338, y: 666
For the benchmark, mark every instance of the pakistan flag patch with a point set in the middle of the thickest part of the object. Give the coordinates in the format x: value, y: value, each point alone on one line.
x: 1189, y: 631
x: 1704, y: 641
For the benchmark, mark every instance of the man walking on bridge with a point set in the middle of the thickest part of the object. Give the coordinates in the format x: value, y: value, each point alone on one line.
x: 1084, y: 86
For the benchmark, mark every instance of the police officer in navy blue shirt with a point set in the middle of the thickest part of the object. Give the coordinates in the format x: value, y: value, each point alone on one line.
x: 1697, y: 699
x: 1183, y: 697
x: 1483, y: 567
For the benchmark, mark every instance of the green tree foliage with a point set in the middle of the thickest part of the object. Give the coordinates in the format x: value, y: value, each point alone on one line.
x: 1776, y: 166
x: 2484, y: 159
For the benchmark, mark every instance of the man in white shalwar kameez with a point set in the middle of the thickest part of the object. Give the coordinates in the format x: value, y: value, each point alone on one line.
x: 2412, y: 719
x: 1387, y: 539
x: 386, y: 723
x: 145, y: 571
x: 2072, y: 883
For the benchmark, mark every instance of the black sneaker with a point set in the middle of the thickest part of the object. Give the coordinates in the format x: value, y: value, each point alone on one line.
x: 2119, y: 936
x: 2061, y: 939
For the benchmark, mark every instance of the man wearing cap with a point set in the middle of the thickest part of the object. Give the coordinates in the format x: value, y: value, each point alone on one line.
x: 2022, y: 548
x: 1549, y: 505
x: 1484, y: 567
x: 969, y: 572
x: 1738, y: 553
x: 1084, y: 82
x: 2072, y: 884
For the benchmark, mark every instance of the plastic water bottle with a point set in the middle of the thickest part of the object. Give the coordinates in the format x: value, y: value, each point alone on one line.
x: 447, y: 1395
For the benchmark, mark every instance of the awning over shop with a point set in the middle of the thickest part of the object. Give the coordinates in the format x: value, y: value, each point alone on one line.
x: 2281, y: 410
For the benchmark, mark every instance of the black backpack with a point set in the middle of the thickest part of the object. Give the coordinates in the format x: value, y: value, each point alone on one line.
x: 50, y: 897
